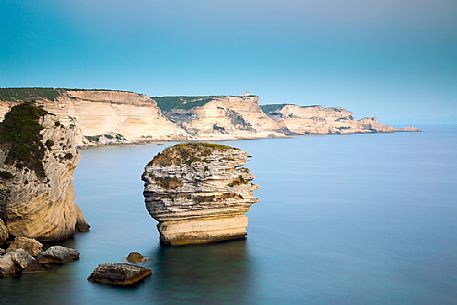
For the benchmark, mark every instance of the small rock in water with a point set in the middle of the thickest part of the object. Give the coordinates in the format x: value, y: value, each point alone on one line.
x: 119, y: 274
x: 58, y: 255
x: 30, y: 245
x: 136, y: 258
x: 7, y: 266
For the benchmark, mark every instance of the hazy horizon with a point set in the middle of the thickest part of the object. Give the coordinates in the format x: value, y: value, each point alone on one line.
x: 391, y: 59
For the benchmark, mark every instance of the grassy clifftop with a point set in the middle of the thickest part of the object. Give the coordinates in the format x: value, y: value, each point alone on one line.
x: 276, y: 107
x: 272, y: 107
x: 33, y: 93
x: 29, y: 94
x: 168, y: 103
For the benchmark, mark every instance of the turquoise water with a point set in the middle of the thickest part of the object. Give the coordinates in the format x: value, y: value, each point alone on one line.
x: 357, y: 219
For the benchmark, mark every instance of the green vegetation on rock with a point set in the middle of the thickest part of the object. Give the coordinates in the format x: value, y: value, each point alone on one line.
x: 272, y: 107
x: 276, y: 107
x: 168, y: 103
x: 20, y: 135
x: 187, y: 153
x: 29, y: 94
x: 168, y: 182
x: 238, y: 181
x: 34, y: 93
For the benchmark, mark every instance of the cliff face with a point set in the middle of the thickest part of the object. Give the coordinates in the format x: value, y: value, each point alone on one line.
x: 320, y: 120
x: 228, y: 117
x: 199, y: 193
x: 37, y: 158
x: 114, y: 117
x: 108, y: 117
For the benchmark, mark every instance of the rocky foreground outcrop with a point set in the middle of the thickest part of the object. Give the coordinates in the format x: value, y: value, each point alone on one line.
x: 25, y: 256
x: 199, y: 193
x: 321, y: 120
x: 37, y: 159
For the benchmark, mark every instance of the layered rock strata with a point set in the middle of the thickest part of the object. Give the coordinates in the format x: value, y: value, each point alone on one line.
x: 108, y: 117
x: 321, y: 120
x: 37, y: 159
x: 221, y: 117
x: 103, y: 117
x: 199, y: 193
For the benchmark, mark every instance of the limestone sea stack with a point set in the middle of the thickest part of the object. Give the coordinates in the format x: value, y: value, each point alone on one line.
x: 199, y: 193
x: 37, y: 158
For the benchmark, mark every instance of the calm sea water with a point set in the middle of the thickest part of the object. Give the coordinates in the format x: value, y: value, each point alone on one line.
x: 358, y: 219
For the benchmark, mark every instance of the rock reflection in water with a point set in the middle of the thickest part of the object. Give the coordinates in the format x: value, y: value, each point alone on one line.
x: 204, y: 274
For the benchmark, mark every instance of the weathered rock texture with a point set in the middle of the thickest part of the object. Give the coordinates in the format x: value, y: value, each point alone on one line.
x: 119, y: 274
x: 58, y: 255
x: 3, y: 232
x: 37, y: 158
x: 221, y: 117
x: 18, y: 260
x: 30, y: 245
x: 106, y: 117
x: 199, y: 193
x: 321, y: 120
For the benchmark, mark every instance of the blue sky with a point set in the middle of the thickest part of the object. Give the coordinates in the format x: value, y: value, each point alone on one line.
x: 394, y: 59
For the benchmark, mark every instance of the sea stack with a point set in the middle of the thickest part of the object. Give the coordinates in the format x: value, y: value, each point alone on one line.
x: 37, y: 159
x: 199, y: 193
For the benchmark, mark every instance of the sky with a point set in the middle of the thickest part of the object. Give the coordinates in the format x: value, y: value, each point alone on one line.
x: 393, y: 59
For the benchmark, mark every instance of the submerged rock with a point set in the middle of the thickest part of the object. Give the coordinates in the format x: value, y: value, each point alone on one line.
x: 30, y: 245
x: 58, y: 255
x: 37, y: 159
x: 119, y: 274
x: 199, y: 193
x: 136, y: 258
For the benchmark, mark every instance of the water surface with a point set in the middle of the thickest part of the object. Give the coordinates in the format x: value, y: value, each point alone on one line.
x: 356, y: 219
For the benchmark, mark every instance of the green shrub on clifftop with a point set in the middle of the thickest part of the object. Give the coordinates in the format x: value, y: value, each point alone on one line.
x: 187, y: 153
x: 20, y: 135
x: 29, y: 94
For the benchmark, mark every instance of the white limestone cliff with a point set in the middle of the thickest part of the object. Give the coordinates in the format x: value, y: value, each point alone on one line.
x: 37, y: 159
x: 321, y: 120
x: 226, y: 117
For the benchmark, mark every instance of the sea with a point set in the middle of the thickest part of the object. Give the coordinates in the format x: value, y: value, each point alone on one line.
x: 366, y: 219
